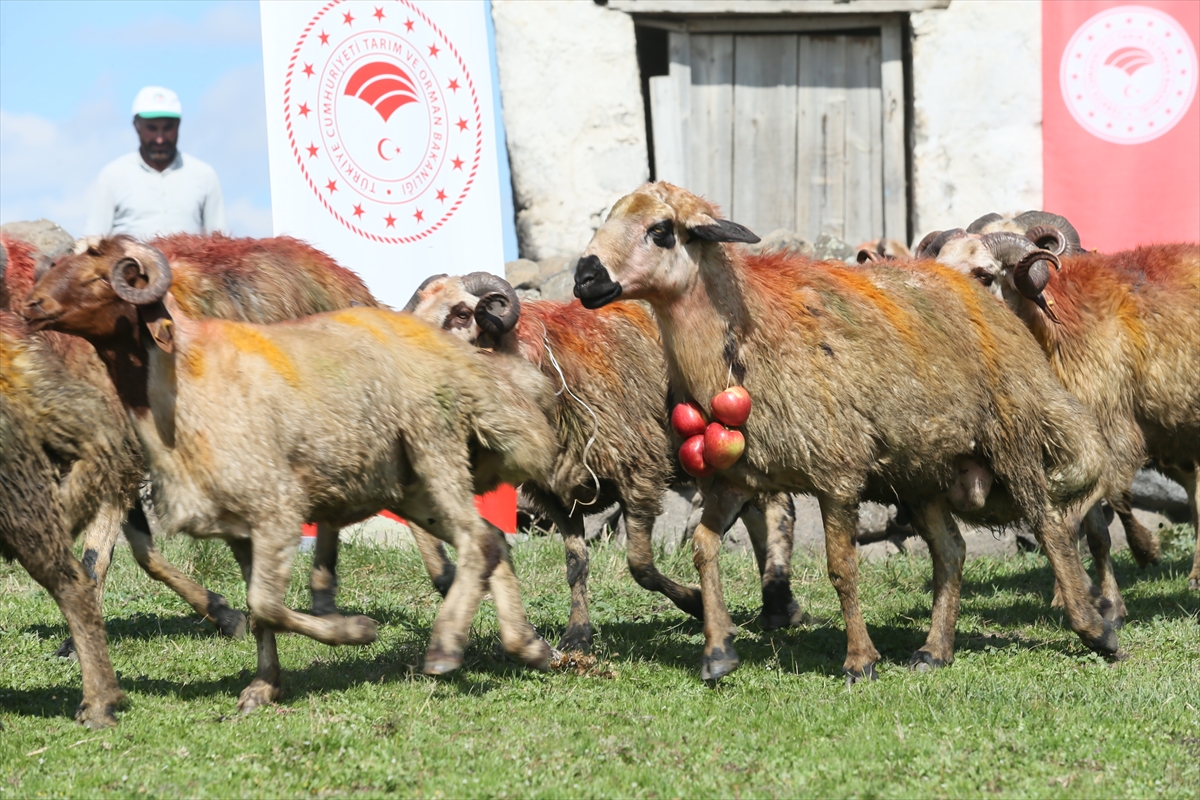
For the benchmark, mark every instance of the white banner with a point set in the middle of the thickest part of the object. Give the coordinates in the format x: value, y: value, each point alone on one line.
x: 382, y: 136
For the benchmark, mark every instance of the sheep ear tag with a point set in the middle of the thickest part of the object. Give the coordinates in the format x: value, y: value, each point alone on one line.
x: 158, y: 322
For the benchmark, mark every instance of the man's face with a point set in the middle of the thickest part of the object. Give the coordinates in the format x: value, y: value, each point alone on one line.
x: 158, y: 137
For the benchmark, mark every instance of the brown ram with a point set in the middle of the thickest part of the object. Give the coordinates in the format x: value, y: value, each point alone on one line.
x: 57, y: 468
x: 611, y: 418
x: 1122, y: 333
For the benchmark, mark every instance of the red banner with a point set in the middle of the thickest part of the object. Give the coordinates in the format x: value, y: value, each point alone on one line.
x: 498, y: 507
x: 1121, y: 126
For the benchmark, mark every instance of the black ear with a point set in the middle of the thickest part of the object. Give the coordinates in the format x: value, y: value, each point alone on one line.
x: 724, y: 231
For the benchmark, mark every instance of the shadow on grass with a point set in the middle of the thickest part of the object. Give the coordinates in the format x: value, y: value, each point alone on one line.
x: 485, y: 667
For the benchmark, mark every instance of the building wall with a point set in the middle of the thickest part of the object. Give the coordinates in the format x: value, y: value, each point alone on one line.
x: 573, y: 115
x: 576, y: 128
x: 977, y: 121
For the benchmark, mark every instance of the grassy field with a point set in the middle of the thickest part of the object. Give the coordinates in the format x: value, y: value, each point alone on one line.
x: 1024, y: 711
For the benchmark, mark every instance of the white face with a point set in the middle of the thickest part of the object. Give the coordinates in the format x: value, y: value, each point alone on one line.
x: 446, y: 304
x: 650, y: 246
x: 969, y: 256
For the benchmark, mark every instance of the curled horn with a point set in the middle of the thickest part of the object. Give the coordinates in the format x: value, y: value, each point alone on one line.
x: 1049, y: 238
x: 498, y: 308
x: 1031, y: 272
x: 935, y: 245
x: 865, y: 255
x: 149, y: 262
x: 987, y: 219
x: 415, y: 300
x: 1031, y: 219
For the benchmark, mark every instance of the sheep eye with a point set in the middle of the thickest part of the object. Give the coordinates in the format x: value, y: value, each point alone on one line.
x: 663, y: 234
x: 984, y: 277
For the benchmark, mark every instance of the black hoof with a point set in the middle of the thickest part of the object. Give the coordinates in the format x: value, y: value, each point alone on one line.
x: 323, y: 604
x: 231, y: 623
x: 1106, y: 643
x: 922, y: 661
x: 788, y: 618
x: 66, y: 649
x: 855, y: 676
x: 719, y: 663
x: 577, y: 638
x: 1194, y: 584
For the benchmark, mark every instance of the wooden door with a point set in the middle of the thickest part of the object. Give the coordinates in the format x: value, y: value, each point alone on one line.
x: 803, y: 132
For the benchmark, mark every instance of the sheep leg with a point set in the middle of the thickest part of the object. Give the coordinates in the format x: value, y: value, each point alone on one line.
x: 99, y: 539
x: 935, y: 525
x: 437, y: 563
x: 266, y: 686
x: 1100, y: 545
x: 839, y: 519
x: 578, y: 635
x: 1057, y: 539
x: 273, y: 547
x: 519, y: 637
x: 722, y: 504
x: 771, y: 524
x: 1190, y: 480
x: 1143, y: 543
x: 210, y: 605
x: 322, y: 581
x: 54, y: 567
x: 639, y: 554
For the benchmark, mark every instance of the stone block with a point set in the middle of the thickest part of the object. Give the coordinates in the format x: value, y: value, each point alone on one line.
x: 523, y: 274
x: 48, y: 237
x: 1154, y: 491
x: 671, y: 527
x: 560, y: 286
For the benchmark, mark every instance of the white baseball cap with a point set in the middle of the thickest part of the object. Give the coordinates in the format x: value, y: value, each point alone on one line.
x: 155, y: 101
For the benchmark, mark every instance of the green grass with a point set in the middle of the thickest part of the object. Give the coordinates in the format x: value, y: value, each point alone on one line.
x: 1024, y: 711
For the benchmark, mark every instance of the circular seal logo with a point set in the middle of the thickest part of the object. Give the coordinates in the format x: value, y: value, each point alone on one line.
x: 383, y: 119
x: 1129, y: 74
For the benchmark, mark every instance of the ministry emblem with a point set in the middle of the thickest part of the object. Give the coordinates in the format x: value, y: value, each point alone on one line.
x: 383, y: 119
x: 1128, y: 75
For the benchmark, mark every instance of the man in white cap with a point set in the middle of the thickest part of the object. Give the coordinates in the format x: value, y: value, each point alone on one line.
x: 157, y: 190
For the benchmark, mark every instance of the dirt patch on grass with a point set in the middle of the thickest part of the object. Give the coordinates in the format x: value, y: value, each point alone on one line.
x: 583, y: 665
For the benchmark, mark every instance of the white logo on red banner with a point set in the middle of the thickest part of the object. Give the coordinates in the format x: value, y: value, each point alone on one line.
x: 383, y: 119
x: 1128, y: 75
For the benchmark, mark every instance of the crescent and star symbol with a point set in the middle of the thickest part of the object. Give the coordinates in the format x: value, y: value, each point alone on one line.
x: 392, y: 147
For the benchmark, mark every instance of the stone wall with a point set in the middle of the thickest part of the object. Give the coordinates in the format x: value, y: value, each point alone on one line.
x: 977, y: 112
x: 573, y: 115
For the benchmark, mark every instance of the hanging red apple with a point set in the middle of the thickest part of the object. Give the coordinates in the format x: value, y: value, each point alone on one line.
x: 732, y: 406
x: 688, y: 419
x: 722, y: 446
x: 691, y: 455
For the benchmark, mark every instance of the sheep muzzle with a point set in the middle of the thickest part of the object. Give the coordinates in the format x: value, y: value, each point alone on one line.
x: 593, y: 285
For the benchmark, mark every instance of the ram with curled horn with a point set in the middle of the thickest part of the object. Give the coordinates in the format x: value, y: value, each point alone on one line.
x: 218, y: 277
x: 614, y: 441
x: 250, y: 430
x: 1122, y: 334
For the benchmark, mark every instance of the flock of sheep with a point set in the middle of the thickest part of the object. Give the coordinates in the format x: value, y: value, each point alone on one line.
x: 1001, y: 374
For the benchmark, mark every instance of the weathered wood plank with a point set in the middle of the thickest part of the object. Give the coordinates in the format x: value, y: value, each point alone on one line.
x: 864, y: 183
x: 895, y: 183
x: 809, y: 176
x: 827, y: 136
x: 710, y: 165
x: 875, y: 124
x: 670, y: 161
x: 764, y: 144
